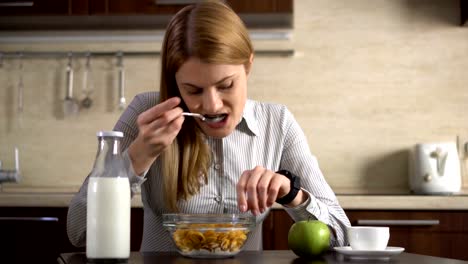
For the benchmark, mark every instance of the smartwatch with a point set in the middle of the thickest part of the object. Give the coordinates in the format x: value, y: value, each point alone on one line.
x: 295, y: 187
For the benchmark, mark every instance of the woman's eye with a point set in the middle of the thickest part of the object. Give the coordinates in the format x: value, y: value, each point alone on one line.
x: 226, y: 86
x: 194, y: 91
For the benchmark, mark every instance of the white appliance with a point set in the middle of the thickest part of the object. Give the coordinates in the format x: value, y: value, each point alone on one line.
x: 434, y: 168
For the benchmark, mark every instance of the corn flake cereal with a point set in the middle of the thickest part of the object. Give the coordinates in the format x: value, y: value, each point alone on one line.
x: 207, y: 237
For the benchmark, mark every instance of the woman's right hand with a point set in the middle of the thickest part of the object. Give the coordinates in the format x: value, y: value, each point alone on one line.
x: 157, y: 128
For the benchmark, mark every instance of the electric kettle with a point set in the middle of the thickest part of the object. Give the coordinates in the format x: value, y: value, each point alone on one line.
x: 434, y: 168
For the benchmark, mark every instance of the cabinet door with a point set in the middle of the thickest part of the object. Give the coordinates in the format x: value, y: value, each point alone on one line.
x: 463, y: 12
x: 126, y: 14
x: 135, y: 7
x: 33, y: 235
x: 39, y: 234
x: 29, y: 239
x: 275, y: 230
x: 434, y: 233
x: 43, y: 7
x: 141, y: 7
x: 262, y: 6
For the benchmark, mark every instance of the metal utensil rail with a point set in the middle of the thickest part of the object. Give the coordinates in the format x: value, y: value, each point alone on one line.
x: 77, y: 54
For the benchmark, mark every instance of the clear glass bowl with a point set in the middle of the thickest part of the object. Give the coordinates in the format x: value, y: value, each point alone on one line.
x: 208, y: 235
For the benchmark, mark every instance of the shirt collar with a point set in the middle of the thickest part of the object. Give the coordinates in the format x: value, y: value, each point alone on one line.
x: 249, y: 117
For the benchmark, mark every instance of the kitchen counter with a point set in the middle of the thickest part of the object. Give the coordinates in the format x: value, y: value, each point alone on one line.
x: 267, y: 256
x: 352, y: 201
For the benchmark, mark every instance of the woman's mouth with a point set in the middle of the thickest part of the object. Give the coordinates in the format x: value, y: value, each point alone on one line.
x: 215, y: 118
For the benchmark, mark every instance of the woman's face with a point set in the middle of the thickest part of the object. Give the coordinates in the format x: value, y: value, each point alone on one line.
x: 218, y: 91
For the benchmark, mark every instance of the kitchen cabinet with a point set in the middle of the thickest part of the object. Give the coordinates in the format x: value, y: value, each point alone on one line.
x: 108, y: 7
x: 275, y: 230
x: 127, y: 14
x: 430, y: 232
x: 41, y: 231
x: 434, y: 233
x: 463, y: 11
x: 43, y: 7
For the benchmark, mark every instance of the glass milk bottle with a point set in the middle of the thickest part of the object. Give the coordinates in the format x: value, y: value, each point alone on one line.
x: 108, y: 208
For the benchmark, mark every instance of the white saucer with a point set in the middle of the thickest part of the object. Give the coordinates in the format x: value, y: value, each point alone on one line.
x: 369, y: 254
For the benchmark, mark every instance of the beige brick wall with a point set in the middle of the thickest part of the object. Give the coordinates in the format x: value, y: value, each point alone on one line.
x: 370, y: 79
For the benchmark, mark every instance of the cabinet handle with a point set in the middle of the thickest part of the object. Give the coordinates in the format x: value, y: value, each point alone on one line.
x: 423, y: 222
x: 39, y: 219
x: 175, y: 2
x: 17, y: 4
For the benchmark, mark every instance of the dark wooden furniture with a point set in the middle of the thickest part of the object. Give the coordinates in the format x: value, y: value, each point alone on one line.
x: 156, y: 7
x: 41, y: 7
x: 250, y: 257
x: 127, y: 14
x: 421, y: 234
x: 42, y: 233
x: 45, y: 239
x: 139, y: 7
x: 436, y: 233
x: 463, y: 12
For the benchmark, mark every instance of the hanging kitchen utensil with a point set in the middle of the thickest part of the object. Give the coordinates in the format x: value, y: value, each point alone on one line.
x: 20, y: 91
x: 70, y: 106
x: 87, y: 84
x: 121, y: 80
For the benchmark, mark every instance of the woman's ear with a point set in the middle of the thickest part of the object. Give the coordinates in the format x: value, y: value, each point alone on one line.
x: 249, y: 65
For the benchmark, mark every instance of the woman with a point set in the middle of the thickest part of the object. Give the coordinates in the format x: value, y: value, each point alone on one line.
x: 229, y: 163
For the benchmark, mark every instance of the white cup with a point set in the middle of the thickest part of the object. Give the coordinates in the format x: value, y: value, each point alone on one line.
x: 368, y: 237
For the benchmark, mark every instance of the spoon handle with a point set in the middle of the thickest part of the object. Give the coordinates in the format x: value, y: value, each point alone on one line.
x: 194, y: 115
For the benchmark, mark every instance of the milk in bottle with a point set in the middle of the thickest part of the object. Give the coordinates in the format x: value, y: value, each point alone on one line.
x: 108, y: 203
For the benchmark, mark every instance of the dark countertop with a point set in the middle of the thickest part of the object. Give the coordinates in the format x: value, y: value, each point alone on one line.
x: 267, y: 256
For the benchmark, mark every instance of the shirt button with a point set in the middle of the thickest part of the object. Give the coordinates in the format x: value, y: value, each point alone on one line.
x: 218, y: 199
x: 217, y: 166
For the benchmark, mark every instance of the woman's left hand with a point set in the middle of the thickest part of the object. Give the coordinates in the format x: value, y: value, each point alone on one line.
x: 257, y: 189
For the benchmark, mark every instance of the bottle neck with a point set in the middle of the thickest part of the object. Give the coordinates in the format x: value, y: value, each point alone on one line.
x: 109, y: 161
x: 109, y: 146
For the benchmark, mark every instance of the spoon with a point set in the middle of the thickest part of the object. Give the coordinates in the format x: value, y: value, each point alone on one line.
x: 202, y: 118
x: 70, y: 105
x: 20, y: 91
x: 121, y: 80
x: 87, y: 84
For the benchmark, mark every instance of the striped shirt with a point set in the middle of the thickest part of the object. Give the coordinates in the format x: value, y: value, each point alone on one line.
x: 267, y: 136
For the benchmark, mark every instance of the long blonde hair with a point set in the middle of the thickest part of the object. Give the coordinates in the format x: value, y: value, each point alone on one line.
x: 212, y: 32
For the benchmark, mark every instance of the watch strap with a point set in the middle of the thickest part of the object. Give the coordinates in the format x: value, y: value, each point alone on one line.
x: 295, y: 187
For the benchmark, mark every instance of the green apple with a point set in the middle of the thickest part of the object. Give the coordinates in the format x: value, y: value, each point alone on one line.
x: 309, y: 238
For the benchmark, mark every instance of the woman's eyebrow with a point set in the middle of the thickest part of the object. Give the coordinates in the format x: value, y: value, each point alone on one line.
x: 216, y: 83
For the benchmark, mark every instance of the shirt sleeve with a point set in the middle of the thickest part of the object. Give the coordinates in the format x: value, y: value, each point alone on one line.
x: 322, y: 203
x: 76, y: 218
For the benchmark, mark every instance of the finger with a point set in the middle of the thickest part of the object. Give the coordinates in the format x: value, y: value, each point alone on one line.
x: 158, y: 132
x: 274, y: 187
x: 154, y: 112
x: 252, y: 199
x: 263, y: 189
x: 165, y: 119
x: 166, y: 134
x: 241, y: 191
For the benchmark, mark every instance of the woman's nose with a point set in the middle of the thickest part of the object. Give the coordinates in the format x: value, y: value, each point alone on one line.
x: 212, y: 101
